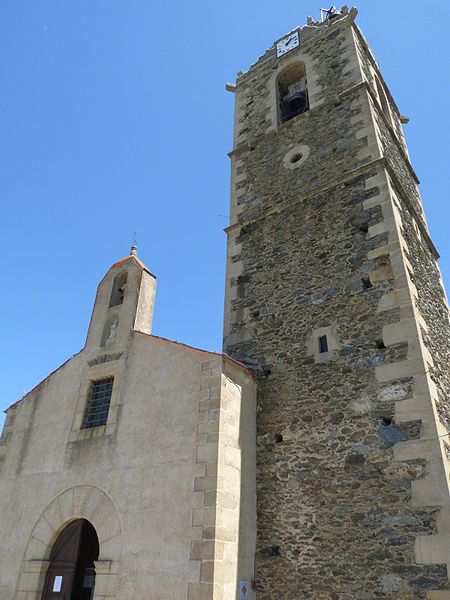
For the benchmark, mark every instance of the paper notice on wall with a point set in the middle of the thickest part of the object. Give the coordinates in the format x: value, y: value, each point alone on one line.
x: 244, y: 587
x: 57, y: 583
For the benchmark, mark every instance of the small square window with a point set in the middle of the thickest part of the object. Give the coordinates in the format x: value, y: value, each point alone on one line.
x: 323, y: 344
x: 97, y: 408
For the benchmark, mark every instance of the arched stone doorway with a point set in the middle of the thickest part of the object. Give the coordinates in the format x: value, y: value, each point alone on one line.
x: 82, y: 502
x: 71, y: 571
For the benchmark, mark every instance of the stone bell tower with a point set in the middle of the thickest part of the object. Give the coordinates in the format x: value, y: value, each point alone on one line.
x: 335, y: 298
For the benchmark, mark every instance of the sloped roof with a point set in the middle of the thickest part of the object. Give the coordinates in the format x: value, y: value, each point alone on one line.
x: 125, y: 259
x: 157, y: 338
x: 193, y: 349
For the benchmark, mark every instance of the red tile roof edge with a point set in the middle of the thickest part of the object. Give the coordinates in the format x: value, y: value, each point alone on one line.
x: 222, y: 354
x: 136, y: 260
x: 154, y: 337
x: 240, y: 364
x: 139, y: 263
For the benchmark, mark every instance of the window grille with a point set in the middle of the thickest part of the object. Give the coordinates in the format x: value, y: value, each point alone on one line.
x: 98, y: 404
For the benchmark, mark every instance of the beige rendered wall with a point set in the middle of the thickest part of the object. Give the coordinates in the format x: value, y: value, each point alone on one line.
x: 136, y: 478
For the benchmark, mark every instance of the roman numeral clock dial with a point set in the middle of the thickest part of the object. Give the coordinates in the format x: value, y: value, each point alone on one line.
x: 287, y: 44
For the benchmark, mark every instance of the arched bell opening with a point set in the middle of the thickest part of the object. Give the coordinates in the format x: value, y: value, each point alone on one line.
x: 118, y: 289
x: 71, y: 571
x: 292, y: 92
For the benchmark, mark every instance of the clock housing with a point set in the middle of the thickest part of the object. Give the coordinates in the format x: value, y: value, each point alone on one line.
x: 288, y: 43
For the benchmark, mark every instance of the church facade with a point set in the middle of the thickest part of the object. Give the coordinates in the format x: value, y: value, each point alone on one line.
x: 312, y: 458
x: 150, y: 442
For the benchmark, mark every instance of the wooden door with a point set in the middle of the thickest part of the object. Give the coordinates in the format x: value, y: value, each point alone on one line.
x: 71, y: 574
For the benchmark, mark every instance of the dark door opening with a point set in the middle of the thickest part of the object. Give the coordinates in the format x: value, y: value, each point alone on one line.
x: 71, y: 573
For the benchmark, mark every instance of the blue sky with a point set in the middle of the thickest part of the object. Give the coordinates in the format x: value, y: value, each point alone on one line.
x: 114, y: 119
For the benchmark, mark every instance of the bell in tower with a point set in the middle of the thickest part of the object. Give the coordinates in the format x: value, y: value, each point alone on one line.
x: 293, y: 92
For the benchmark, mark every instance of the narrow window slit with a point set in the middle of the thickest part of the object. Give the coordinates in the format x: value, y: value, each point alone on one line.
x: 323, y: 344
x: 367, y: 284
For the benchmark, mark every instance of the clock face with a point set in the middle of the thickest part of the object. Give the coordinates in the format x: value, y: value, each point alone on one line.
x: 287, y: 44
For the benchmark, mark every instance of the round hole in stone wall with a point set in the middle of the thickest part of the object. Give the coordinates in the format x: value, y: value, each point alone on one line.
x: 296, y: 156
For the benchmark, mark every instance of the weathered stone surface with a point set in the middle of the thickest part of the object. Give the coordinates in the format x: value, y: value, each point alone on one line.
x: 316, y: 247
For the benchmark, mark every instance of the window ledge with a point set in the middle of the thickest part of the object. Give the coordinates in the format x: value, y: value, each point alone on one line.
x: 89, y: 433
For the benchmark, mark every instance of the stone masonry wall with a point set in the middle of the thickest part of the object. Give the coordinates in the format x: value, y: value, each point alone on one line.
x: 432, y: 305
x: 264, y: 181
x: 432, y: 302
x: 334, y: 512
x: 318, y: 249
x: 327, y: 49
x: 369, y: 67
x: 402, y: 168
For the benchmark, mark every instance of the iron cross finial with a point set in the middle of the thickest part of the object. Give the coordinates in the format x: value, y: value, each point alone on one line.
x: 133, y: 251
